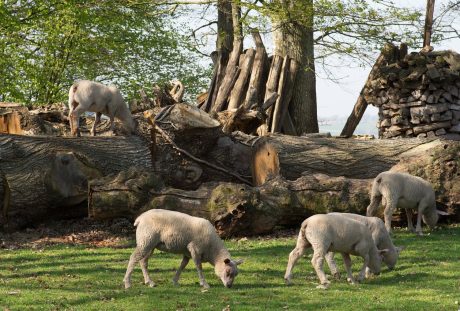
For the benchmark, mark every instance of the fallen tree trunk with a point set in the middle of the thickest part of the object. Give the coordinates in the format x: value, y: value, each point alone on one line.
x: 234, y: 209
x: 241, y: 209
x: 351, y: 158
x: 44, y: 176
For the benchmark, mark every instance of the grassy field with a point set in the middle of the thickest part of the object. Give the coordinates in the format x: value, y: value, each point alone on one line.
x: 68, y: 277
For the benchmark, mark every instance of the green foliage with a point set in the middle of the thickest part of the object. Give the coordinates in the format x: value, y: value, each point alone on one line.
x: 349, y: 30
x: 68, y: 277
x: 47, y: 44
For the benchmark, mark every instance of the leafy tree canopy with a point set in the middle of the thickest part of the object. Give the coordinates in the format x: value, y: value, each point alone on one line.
x: 47, y: 44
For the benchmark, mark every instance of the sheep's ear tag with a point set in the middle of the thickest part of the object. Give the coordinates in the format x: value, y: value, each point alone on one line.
x: 227, y: 261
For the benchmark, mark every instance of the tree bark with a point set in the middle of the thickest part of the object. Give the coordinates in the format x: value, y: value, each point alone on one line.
x: 240, y: 87
x: 295, y: 39
x: 46, y: 176
x: 351, y: 158
x: 234, y: 209
x: 224, y: 45
x: 428, y: 23
x: 232, y: 70
x: 259, y: 70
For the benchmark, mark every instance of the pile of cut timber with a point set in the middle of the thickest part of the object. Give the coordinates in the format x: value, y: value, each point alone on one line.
x: 250, y: 93
x: 418, y: 95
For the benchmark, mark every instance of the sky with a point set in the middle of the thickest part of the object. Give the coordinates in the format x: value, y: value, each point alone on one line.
x: 336, y: 100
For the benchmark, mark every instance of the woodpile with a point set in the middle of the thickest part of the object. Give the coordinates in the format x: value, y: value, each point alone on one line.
x: 252, y: 92
x: 418, y: 94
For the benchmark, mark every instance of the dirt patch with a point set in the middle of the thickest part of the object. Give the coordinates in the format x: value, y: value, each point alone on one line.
x: 119, y: 232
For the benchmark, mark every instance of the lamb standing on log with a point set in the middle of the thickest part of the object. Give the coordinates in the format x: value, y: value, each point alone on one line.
x: 179, y: 233
x: 381, y: 239
x: 325, y: 233
x: 91, y: 96
x: 405, y: 191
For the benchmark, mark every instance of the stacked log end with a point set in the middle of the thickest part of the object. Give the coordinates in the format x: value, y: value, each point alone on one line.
x: 418, y: 95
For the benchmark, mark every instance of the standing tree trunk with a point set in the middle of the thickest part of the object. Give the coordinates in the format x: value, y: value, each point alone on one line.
x: 224, y: 45
x: 295, y: 39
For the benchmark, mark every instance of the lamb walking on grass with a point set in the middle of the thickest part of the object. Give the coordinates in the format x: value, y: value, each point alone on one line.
x: 325, y: 233
x: 179, y: 233
x: 91, y: 96
x: 380, y: 236
x: 404, y: 191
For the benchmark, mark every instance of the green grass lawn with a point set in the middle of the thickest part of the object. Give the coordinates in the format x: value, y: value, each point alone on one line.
x: 68, y: 277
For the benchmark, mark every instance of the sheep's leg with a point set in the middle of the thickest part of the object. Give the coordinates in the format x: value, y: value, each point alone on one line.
x: 372, y: 208
x: 332, y: 265
x: 182, y: 266
x: 144, y: 267
x: 112, y: 123
x: 74, y: 117
x: 197, y: 260
x: 137, y: 255
x: 388, y: 213
x: 347, y: 263
x: 362, y: 272
x: 421, y: 208
x: 410, y: 224
x: 317, y: 261
x: 294, y: 256
x: 97, y: 120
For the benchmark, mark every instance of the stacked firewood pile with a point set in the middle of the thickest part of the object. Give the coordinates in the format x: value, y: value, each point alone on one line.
x: 252, y: 92
x: 418, y: 95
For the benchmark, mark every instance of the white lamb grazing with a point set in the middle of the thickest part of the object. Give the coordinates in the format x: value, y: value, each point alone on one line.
x: 381, y: 239
x: 91, y: 96
x: 404, y: 191
x: 335, y: 233
x: 179, y: 233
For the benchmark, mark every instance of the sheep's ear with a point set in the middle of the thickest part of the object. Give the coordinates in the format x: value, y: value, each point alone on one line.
x: 239, y: 261
x: 442, y: 213
x: 383, y: 251
x: 227, y: 261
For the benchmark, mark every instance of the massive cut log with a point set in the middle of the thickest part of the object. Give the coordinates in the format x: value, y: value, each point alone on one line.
x: 351, y: 158
x: 47, y: 176
x: 234, y: 209
x: 237, y: 208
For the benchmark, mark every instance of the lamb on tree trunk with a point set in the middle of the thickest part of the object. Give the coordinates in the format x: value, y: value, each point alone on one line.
x: 91, y: 96
x: 193, y: 167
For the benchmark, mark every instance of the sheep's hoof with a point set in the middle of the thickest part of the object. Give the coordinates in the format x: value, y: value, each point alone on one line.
x: 323, y: 286
x: 419, y: 233
x: 288, y: 281
x: 336, y: 275
x: 150, y: 283
x: 351, y: 281
x: 175, y: 282
x: 205, y: 286
x: 127, y: 285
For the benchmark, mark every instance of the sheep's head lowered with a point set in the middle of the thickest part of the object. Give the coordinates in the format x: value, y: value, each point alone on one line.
x: 227, y: 271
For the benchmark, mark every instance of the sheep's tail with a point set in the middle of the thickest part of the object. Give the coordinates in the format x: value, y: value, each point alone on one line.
x: 376, y: 197
x: 302, y: 241
x: 375, y: 192
x: 72, y: 103
x: 137, y: 221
